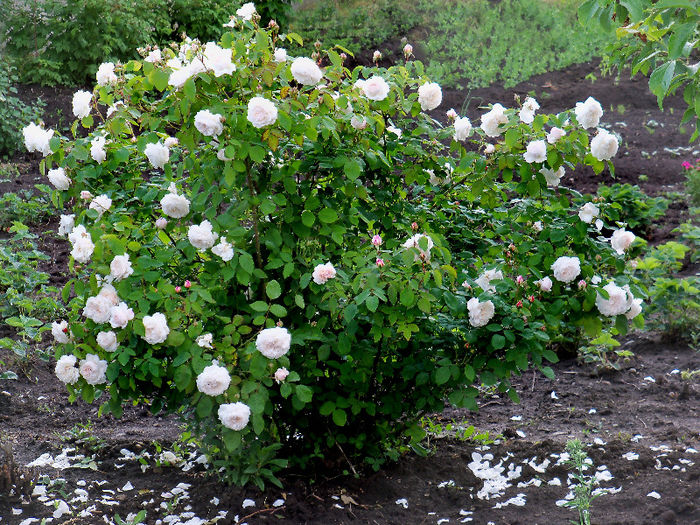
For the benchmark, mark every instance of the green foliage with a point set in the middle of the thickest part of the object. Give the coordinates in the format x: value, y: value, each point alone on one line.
x: 584, y: 482
x: 477, y: 43
x: 658, y: 39
x: 629, y: 204
x: 378, y: 345
x: 25, y: 208
x: 13, y: 112
x: 355, y: 25
x: 692, y: 182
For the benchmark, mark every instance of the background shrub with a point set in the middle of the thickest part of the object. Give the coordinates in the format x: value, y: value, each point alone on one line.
x: 13, y: 112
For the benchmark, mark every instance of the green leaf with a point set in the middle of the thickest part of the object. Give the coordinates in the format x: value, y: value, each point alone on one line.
x: 304, y: 393
x: 327, y: 408
x: 175, y: 338
x: 372, y: 303
x: 278, y: 310
x: 308, y: 218
x: 340, y: 417
x: 660, y: 80
x: 498, y: 341
x: 273, y: 289
x: 442, y: 375
x: 328, y: 215
x: 259, y: 306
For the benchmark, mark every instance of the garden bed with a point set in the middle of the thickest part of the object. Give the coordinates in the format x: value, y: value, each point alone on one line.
x: 641, y: 421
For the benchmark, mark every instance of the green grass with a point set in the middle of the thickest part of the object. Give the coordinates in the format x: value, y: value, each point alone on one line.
x: 467, y: 43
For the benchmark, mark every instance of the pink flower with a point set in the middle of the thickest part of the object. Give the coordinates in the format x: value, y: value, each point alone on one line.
x: 687, y: 165
x: 520, y: 279
x: 380, y: 262
x: 414, y: 225
x: 519, y: 304
x: 178, y: 289
x: 281, y: 374
x: 188, y: 284
x: 582, y: 284
x: 532, y: 298
x: 323, y: 272
x: 376, y: 240
x: 161, y: 223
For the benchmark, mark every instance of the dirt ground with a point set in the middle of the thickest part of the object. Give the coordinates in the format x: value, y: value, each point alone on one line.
x: 642, y: 422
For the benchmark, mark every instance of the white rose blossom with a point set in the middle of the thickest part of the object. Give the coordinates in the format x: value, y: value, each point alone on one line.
x: 66, y: 370
x: 205, y: 341
x: 82, y: 249
x: 588, y: 212
x: 553, y: 177
x: 261, y: 112
x: 281, y: 374
x: 429, y: 96
x: 60, y: 332
x: 224, y: 250
x: 107, y: 340
x: 359, y: 123
x: 604, y: 145
x: 37, y: 138
x: 414, y: 242
x: 171, y: 142
x: 59, y: 179
x: 97, y: 149
x: 158, y: 154
x: 566, y: 269
x: 156, y: 328
x: 463, y: 128
x: 114, y: 107
x: 218, y: 59
x: 214, y: 380
x: 537, y: 226
x: 120, y: 315
x: 635, y: 307
x: 93, y: 369
x: 545, y: 284
x: 181, y: 74
x: 306, y: 71
x: 97, y: 309
x: 120, y: 267
x: 234, y: 415
x: 484, y: 280
x: 480, y: 313
x: 615, y: 304
x: 105, y: 74
x: 209, y: 124
x: 323, y: 272
x: 536, y: 151
x: 528, y: 109
x: 273, y: 343
x: 81, y: 103
x: 154, y: 56
x: 246, y: 11
x: 280, y: 54
x: 101, y: 204
x: 110, y: 293
x: 588, y: 113
x: 621, y: 240
x: 201, y: 235
x: 375, y: 88
x: 174, y: 205
x: 555, y: 134
x: 491, y: 120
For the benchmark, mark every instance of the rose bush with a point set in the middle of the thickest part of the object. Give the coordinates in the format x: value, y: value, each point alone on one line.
x: 299, y: 274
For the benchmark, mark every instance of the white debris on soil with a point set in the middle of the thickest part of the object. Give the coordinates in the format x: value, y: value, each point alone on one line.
x: 516, y: 418
x: 650, y: 379
x: 630, y: 456
x: 554, y: 395
x: 248, y: 503
x: 654, y: 495
x: 600, y: 442
x: 403, y: 502
x: 592, y: 411
x: 449, y: 483
x: 278, y: 503
x: 518, y: 501
x: 127, y: 487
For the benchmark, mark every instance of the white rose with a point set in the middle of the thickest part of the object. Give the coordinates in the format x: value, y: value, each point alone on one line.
x: 280, y: 54
x: 93, y: 369
x: 273, y: 342
x: 489, y: 148
x: 261, y: 112
x: 214, y: 380
x: 224, y: 250
x: 154, y: 56
x: 82, y: 249
x: 621, y: 240
x: 463, y: 128
x: 545, y: 284
x: 492, y: 119
x: 555, y: 134
x: 635, y: 309
x: 246, y: 11
x: 60, y: 332
x: 527, y: 111
x: 158, y: 154
x: 484, y: 280
x: 588, y: 212
x: 281, y: 374
x: 566, y: 269
x: 359, y: 123
x: 599, y: 224
x: 323, y: 272
x: 375, y: 88
x: 536, y: 151
x: 537, y: 226
x: 306, y: 72
x: 120, y: 315
x: 37, y: 139
x: 553, y: 177
x: 604, y: 145
x: 120, y: 267
x: 588, y: 113
x: 67, y: 224
x: 97, y: 149
x: 209, y: 124
x: 81, y: 103
x: 107, y: 340
x: 66, y: 370
x: 429, y: 96
x: 114, y: 107
x: 175, y: 206
x: 234, y: 415
x: 101, y: 204
x: 480, y: 313
x: 171, y: 142
x: 110, y: 293
x: 156, y: 328
x: 97, y: 309
x: 205, y: 340
x: 58, y: 178
x: 414, y: 242
x: 396, y: 131
x: 201, y: 236
x: 105, y: 74
x: 218, y: 59
x: 615, y: 304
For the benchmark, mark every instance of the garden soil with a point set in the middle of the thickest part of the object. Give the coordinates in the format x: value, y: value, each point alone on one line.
x: 641, y: 422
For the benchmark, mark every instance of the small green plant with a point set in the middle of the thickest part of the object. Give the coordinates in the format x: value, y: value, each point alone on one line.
x: 23, y: 207
x: 83, y: 436
x: 692, y: 181
x: 455, y: 430
x: 584, y: 484
x: 604, y: 350
x: 131, y: 519
x: 13, y: 112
